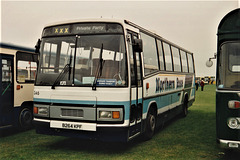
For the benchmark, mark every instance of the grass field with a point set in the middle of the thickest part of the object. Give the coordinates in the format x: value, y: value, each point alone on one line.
x: 193, y: 138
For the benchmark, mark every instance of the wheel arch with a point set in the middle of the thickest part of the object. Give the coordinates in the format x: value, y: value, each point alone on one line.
x: 27, y: 104
x: 152, y: 104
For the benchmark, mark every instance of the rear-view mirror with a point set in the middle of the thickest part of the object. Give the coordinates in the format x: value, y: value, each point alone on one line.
x: 209, y: 63
x: 37, y: 47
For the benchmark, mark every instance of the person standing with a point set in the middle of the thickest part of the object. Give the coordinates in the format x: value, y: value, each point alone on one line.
x: 202, y: 85
x: 196, y: 84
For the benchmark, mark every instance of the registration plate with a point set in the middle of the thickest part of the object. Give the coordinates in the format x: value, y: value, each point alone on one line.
x: 73, y: 125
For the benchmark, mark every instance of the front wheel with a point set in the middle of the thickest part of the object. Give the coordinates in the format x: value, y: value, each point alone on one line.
x: 150, y: 125
x: 25, y: 119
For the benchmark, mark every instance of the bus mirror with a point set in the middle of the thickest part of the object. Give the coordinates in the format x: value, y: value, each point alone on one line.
x: 37, y: 47
x: 209, y: 63
x: 137, y: 45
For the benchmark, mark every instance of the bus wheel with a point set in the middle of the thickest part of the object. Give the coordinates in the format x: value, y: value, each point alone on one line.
x: 185, y: 108
x: 150, y: 125
x: 25, y: 119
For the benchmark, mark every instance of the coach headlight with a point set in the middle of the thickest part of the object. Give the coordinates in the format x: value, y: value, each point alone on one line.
x: 41, y: 110
x: 105, y: 114
x: 233, y: 123
x: 110, y: 114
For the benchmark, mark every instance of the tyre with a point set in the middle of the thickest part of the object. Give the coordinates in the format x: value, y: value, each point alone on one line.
x: 25, y: 119
x: 185, y: 108
x: 150, y: 124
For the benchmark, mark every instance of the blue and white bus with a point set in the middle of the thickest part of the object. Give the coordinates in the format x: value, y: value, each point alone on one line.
x: 17, y: 75
x: 109, y: 80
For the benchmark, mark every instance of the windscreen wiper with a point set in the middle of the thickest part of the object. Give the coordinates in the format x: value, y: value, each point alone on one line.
x: 99, y: 70
x: 66, y: 69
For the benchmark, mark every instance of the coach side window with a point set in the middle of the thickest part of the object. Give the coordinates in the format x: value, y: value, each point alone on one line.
x: 190, y: 63
x: 168, y: 56
x: 184, y: 61
x: 149, y: 54
x: 176, y: 59
x: 161, y: 56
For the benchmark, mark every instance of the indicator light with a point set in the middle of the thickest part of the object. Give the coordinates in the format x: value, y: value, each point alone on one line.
x: 18, y: 87
x: 147, y: 85
x: 35, y: 110
x: 115, y: 114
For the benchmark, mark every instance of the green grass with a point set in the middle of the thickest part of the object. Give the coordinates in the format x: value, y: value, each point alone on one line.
x: 193, y: 138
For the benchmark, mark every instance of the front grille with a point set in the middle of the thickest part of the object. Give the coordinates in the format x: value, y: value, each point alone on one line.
x: 72, y: 112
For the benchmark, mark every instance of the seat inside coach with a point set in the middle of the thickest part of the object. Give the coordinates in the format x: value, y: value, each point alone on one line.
x: 110, y: 69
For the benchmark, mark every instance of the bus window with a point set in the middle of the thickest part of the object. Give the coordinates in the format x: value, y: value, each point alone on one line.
x: 85, y: 62
x: 184, y: 61
x: 6, y: 71
x: 49, y: 58
x: 66, y: 53
x: 234, y: 57
x: 26, y: 67
x: 168, y: 56
x: 229, y: 66
x: 133, y: 76
x: 149, y: 54
x: 190, y: 63
x: 176, y: 59
x: 161, y: 56
x: 26, y: 71
x: 6, y: 91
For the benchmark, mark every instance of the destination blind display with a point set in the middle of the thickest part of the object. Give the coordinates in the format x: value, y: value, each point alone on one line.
x: 83, y: 28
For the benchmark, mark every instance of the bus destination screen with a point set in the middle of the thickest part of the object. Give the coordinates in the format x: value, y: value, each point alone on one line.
x: 83, y: 28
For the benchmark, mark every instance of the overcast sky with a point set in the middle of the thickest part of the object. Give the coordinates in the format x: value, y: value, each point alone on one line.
x: 190, y: 24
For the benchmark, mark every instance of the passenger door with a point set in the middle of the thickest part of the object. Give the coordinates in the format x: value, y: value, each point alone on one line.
x: 6, y: 90
x: 136, y: 88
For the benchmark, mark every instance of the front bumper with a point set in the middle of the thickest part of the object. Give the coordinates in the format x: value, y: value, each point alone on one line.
x: 112, y: 134
x: 229, y: 144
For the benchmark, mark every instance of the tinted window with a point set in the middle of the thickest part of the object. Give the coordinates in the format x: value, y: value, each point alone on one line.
x: 176, y: 59
x: 168, y: 56
x: 149, y: 54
